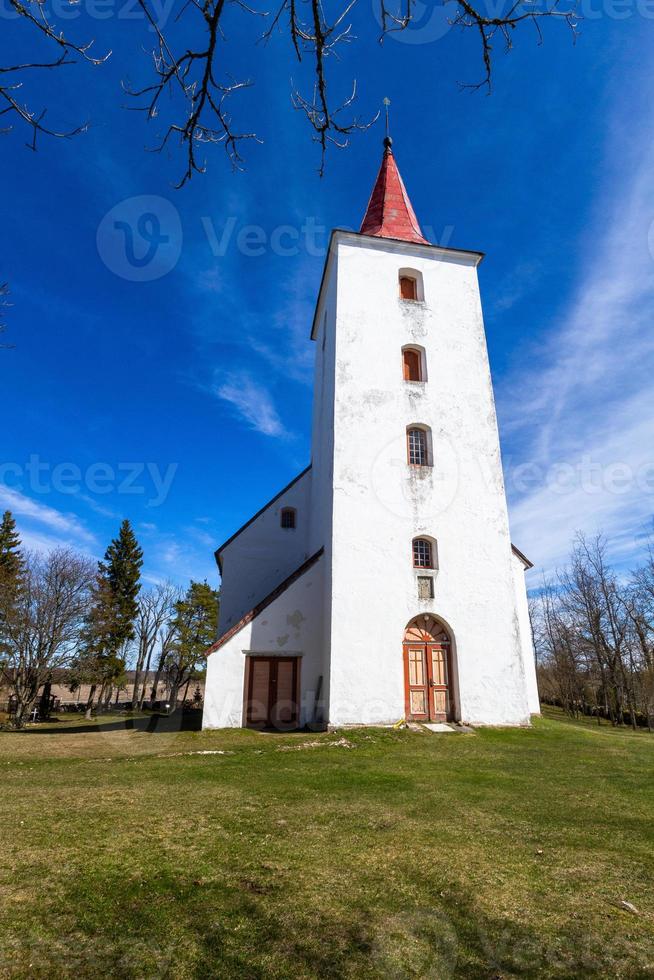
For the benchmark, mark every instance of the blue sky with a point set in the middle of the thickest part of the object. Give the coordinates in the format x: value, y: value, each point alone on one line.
x: 183, y: 402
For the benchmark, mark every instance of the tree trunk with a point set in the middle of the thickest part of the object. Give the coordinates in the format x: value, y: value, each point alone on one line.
x: 44, y: 703
x: 174, y: 691
x: 25, y: 692
x: 89, y: 703
x: 137, y: 676
x: 145, y: 680
x: 22, y: 712
x: 157, y: 676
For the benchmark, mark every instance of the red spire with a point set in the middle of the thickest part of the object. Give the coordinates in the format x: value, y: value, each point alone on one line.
x: 389, y: 213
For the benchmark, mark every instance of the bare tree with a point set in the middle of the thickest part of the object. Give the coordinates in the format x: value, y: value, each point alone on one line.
x: 156, y: 607
x: 641, y: 612
x: 42, y: 628
x: 595, y: 634
x: 167, y: 637
x: 189, y: 66
x: 555, y: 638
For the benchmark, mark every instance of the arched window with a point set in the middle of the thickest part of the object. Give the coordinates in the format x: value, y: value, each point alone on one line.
x: 410, y: 285
x: 422, y: 553
x: 288, y: 518
x: 413, y: 364
x: 418, y: 446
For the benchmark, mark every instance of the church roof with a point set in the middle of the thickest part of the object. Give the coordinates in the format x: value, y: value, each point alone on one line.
x: 270, y: 598
x: 389, y: 213
x: 218, y: 551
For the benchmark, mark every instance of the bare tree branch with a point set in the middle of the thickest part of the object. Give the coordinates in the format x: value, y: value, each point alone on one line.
x: 199, y: 88
x: 193, y: 75
x: 488, y: 28
x: 33, y: 12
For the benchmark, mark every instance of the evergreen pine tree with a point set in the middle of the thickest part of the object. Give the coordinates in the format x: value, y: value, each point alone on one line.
x: 11, y: 572
x: 110, y: 622
x: 122, y: 567
x: 11, y: 560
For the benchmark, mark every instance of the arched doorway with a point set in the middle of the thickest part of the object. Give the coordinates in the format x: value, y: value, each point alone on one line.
x: 428, y: 676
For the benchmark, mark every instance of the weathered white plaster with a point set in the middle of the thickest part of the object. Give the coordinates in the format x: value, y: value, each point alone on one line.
x: 290, y: 626
x: 264, y: 554
x: 365, y: 504
x: 526, y: 634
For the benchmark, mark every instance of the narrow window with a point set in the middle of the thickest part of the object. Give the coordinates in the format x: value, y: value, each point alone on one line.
x: 288, y: 518
x: 412, y: 364
x: 417, y: 447
x: 408, y: 287
x: 422, y: 553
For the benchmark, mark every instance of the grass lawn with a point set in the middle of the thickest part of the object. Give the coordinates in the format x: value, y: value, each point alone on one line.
x: 365, y: 853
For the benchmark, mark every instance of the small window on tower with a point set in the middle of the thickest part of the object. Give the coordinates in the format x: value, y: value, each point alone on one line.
x: 417, y: 447
x: 288, y: 518
x: 412, y: 363
x: 422, y: 553
x: 408, y: 287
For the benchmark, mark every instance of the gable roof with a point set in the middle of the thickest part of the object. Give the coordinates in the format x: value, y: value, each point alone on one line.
x: 523, y: 558
x: 260, y: 606
x: 243, y: 527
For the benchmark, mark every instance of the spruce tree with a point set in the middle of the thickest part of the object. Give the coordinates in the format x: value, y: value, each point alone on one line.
x: 11, y: 559
x: 110, y: 621
x: 11, y: 572
x: 122, y: 568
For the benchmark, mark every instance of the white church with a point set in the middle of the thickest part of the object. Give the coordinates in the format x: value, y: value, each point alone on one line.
x: 381, y: 584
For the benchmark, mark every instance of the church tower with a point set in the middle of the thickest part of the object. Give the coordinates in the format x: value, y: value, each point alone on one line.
x: 396, y: 593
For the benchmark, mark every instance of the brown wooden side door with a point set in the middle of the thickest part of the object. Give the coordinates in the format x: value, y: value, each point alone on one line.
x: 272, y: 695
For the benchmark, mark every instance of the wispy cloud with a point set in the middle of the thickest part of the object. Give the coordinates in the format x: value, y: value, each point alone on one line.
x: 66, y: 527
x: 202, y: 537
x: 252, y: 403
x: 98, y: 508
x: 583, y: 414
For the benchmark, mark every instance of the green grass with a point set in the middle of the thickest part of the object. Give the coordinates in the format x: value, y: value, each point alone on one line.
x: 363, y: 853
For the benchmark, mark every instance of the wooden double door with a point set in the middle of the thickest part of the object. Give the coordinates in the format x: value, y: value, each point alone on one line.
x: 427, y: 684
x: 272, y: 692
x: 427, y: 672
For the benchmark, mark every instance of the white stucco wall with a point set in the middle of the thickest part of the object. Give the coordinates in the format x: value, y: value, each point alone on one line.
x: 291, y: 625
x: 322, y: 450
x: 264, y: 554
x: 526, y: 635
x: 380, y: 503
x: 364, y: 505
